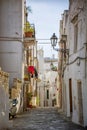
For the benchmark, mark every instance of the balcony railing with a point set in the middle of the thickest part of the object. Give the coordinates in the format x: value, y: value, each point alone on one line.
x: 29, y: 30
x: 29, y: 34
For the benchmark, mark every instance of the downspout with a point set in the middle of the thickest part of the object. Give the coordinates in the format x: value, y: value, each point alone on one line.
x: 86, y: 57
x: 85, y: 44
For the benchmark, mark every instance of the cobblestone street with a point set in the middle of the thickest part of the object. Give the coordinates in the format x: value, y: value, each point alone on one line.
x: 43, y: 119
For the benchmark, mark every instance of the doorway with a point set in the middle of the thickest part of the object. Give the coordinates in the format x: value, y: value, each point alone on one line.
x: 70, y: 95
x: 80, y: 102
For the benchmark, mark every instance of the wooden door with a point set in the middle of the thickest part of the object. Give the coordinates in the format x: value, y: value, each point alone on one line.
x: 80, y: 102
x: 70, y: 94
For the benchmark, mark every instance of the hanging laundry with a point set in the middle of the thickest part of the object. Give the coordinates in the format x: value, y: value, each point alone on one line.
x: 31, y: 69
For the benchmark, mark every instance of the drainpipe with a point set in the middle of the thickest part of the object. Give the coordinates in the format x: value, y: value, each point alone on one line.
x: 85, y: 69
x: 85, y: 73
x: 85, y: 44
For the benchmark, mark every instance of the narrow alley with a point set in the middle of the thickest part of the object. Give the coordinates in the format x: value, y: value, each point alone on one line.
x: 43, y: 119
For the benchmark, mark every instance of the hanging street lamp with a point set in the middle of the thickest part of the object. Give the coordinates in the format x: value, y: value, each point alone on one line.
x: 54, y: 40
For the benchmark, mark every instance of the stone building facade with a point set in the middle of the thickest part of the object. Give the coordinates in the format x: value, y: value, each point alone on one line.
x: 4, y: 99
x: 75, y: 68
x: 11, y: 38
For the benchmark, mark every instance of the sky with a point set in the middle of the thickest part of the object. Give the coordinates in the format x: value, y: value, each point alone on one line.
x: 46, y: 15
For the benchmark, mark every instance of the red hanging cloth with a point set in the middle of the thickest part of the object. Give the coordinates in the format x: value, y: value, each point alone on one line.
x: 31, y: 69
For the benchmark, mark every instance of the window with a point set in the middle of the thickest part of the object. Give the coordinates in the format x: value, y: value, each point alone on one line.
x: 75, y: 37
x: 75, y: 26
x: 47, y: 94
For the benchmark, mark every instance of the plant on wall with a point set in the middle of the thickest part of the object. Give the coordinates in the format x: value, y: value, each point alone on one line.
x: 54, y: 68
x: 28, y: 8
x: 29, y: 97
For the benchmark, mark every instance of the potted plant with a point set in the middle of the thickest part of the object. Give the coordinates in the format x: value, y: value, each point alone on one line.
x: 29, y: 97
x: 26, y: 77
x: 28, y: 30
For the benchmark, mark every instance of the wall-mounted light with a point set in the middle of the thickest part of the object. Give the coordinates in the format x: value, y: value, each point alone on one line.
x: 54, y: 43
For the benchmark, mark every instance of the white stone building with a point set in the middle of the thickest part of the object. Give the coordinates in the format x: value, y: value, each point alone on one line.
x: 4, y: 100
x: 11, y: 37
x: 50, y: 81
x: 11, y: 43
x: 47, y: 87
x: 40, y: 86
x: 75, y: 69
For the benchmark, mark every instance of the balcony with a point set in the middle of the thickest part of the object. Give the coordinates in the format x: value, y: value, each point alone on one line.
x: 29, y: 34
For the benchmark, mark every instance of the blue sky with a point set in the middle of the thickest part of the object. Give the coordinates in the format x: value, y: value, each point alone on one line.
x: 46, y: 15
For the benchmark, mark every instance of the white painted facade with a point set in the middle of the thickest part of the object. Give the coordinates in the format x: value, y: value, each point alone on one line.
x: 11, y: 37
x: 11, y: 48
x: 50, y: 81
x: 4, y: 107
x: 40, y: 89
x: 51, y: 86
x: 75, y: 74
x: 4, y: 100
x: 47, y: 80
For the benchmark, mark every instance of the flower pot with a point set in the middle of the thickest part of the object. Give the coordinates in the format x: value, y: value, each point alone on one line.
x: 28, y: 34
x: 26, y: 79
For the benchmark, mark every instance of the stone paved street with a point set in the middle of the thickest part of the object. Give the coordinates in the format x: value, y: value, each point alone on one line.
x: 43, y: 119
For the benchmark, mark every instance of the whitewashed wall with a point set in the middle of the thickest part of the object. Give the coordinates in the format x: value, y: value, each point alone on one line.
x: 41, y: 91
x: 11, y: 32
x: 77, y: 70
x: 4, y: 100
